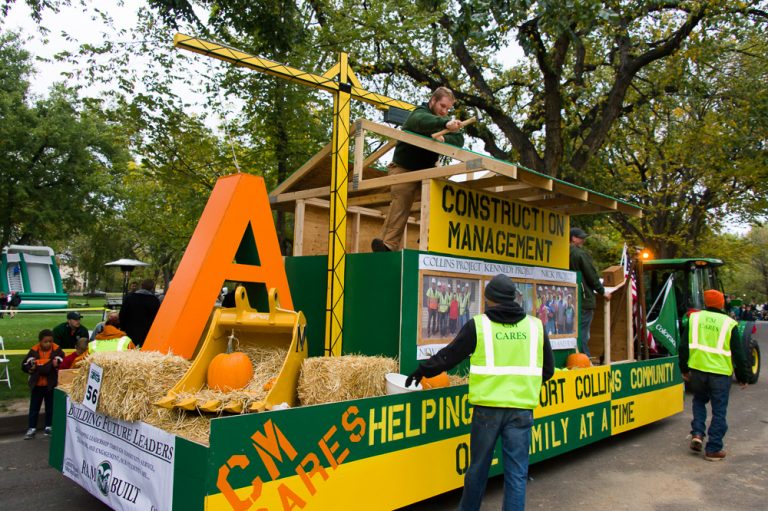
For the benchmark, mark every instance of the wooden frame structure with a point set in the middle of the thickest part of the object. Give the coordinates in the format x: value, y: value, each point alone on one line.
x: 307, y: 190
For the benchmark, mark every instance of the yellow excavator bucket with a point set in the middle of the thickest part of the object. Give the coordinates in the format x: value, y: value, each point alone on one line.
x: 280, y: 329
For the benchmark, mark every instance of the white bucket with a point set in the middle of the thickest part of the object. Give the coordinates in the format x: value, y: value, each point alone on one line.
x: 396, y: 384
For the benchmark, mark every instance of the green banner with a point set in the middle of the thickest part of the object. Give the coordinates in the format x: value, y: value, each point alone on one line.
x: 664, y: 327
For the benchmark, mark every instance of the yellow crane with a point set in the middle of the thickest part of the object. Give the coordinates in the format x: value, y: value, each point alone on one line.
x: 341, y: 81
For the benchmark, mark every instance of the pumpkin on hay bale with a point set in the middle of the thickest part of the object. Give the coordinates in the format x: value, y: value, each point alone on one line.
x: 333, y: 379
x: 577, y: 361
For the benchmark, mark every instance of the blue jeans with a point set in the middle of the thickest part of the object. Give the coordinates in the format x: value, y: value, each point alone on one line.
x: 714, y: 388
x: 514, y: 427
x: 585, y: 323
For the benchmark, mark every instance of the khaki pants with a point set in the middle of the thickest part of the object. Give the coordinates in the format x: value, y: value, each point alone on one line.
x: 399, y: 210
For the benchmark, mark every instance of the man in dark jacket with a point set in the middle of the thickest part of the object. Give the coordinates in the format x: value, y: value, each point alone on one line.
x: 510, y: 357
x: 138, y: 312
x: 709, y: 351
x: 66, y: 334
x: 581, y: 261
x: 426, y: 119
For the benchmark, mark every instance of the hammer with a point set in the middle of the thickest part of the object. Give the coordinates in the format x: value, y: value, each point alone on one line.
x: 440, y: 133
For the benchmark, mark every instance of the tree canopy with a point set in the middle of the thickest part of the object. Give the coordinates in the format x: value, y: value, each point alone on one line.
x: 661, y: 103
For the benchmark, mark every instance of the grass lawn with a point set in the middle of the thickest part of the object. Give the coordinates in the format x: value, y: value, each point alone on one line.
x: 20, y: 333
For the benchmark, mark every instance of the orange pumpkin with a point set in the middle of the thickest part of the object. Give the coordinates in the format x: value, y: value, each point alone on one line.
x: 436, y: 382
x: 230, y: 371
x: 577, y: 360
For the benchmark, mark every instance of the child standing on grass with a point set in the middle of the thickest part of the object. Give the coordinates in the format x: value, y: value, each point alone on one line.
x: 42, y: 364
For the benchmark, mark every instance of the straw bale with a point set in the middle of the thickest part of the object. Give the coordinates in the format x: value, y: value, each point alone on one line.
x: 332, y: 379
x: 132, y: 381
x: 457, y: 379
x: 190, y: 425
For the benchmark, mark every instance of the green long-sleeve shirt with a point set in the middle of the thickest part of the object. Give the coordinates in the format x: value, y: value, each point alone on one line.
x: 424, y: 122
x: 580, y: 260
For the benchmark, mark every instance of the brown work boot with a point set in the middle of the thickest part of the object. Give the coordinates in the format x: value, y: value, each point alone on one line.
x: 378, y: 245
x: 714, y: 456
x: 696, y: 443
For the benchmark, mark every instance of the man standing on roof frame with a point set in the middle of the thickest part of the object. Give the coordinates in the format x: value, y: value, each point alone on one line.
x: 426, y: 119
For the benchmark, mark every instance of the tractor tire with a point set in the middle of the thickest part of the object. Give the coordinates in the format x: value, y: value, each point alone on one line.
x: 753, y: 361
x: 752, y: 351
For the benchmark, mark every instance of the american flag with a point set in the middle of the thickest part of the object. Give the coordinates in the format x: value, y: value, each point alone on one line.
x: 637, y: 315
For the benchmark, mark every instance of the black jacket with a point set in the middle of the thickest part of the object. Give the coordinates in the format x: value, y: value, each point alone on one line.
x: 466, y: 341
x: 137, y: 314
x: 30, y: 366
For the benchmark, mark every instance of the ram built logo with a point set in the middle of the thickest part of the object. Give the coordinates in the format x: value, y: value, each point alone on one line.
x: 103, y: 474
x: 108, y: 484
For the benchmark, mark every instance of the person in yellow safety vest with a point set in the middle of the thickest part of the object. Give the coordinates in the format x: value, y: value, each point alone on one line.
x: 707, y: 361
x: 111, y: 338
x: 510, y: 357
x: 464, y: 296
x: 443, y: 302
x: 432, y: 302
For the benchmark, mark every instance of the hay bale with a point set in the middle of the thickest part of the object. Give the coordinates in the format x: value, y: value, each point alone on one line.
x: 332, y: 379
x: 190, y: 425
x: 457, y: 379
x: 132, y: 381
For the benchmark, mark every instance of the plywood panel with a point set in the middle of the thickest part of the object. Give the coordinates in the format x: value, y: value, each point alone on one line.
x: 313, y: 236
x: 619, y: 327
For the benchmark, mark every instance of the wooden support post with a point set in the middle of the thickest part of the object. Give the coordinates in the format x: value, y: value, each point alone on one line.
x: 357, y: 170
x: 607, y: 328
x: 298, y: 228
x: 424, y: 221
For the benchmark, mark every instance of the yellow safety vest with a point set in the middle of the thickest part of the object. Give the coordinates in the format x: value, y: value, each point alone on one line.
x: 120, y: 344
x: 444, y: 301
x: 505, y: 368
x: 709, y: 342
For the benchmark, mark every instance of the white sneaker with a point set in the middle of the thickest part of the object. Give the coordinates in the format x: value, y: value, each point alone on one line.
x: 30, y: 434
x: 47, y: 431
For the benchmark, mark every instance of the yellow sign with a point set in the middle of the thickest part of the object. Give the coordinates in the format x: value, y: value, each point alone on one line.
x: 475, y: 223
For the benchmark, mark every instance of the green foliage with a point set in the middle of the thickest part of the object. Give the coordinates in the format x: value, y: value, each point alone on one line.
x: 695, y: 157
x: 58, y: 155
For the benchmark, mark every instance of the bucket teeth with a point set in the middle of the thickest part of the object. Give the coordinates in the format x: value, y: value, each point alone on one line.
x: 257, y: 406
x: 212, y: 405
x: 166, y: 402
x: 235, y: 406
x: 186, y: 403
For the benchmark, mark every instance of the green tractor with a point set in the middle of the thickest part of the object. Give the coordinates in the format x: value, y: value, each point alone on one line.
x: 693, y: 276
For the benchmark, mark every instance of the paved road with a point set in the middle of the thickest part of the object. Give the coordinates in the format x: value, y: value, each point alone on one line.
x: 650, y: 469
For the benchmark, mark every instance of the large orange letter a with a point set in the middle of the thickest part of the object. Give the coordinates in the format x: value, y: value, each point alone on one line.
x: 237, y: 202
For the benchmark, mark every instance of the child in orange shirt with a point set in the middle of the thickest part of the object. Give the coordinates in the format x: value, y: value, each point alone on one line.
x: 42, y: 364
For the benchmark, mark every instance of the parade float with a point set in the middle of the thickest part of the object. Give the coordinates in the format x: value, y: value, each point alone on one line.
x: 313, y: 335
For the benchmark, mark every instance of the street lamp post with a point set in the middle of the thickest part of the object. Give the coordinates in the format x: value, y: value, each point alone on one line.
x: 126, y: 266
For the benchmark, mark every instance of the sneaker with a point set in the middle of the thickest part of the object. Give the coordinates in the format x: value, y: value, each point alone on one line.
x: 30, y: 434
x: 378, y: 245
x: 696, y: 443
x: 714, y: 456
x: 47, y: 431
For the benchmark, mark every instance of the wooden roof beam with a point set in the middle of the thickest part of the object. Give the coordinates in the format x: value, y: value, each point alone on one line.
x: 302, y: 171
